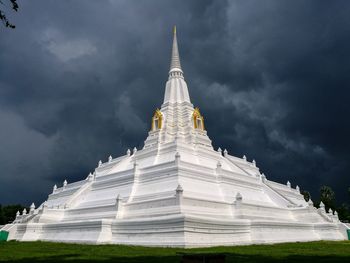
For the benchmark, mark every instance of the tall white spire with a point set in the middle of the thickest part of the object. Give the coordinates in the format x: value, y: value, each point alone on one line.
x: 176, y: 121
x: 175, y: 64
x: 176, y: 88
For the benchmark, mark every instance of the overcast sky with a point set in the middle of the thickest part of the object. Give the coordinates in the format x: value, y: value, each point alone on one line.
x: 79, y: 80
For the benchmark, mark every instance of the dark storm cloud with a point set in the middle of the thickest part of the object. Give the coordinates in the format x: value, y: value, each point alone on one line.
x: 79, y: 80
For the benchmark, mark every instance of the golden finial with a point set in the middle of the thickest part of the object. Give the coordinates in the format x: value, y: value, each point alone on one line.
x: 174, y: 30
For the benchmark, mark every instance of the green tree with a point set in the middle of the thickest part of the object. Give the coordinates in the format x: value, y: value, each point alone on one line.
x: 306, y: 195
x: 344, y: 212
x: 9, y: 212
x: 2, y: 219
x: 3, y: 17
x: 327, y: 196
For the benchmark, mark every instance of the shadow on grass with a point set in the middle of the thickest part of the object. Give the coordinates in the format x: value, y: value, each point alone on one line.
x: 230, y: 257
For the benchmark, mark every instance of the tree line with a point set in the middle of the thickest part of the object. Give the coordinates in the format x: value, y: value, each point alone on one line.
x: 12, y: 4
x: 327, y: 196
x: 8, y: 213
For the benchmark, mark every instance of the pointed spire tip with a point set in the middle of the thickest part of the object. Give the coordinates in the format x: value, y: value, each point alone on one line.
x: 175, y: 64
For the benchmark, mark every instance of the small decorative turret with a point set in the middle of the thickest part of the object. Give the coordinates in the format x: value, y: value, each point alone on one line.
x: 218, y: 171
x: 32, y: 208
x: 118, y: 199
x: 128, y: 152
x: 220, y: 151
x: 297, y: 188
x: 110, y: 158
x: 254, y: 163
x: 90, y: 177
x: 225, y: 152
x: 177, y: 157
x: 17, y: 214
x: 239, y: 197
x: 244, y: 158
x: 65, y: 183
x: 54, y: 188
x: 119, y: 206
x: 24, y: 211
x: 99, y: 163
x: 136, y: 167
x: 134, y: 150
x: 288, y: 184
x: 322, y: 207
x: 179, y: 189
x: 310, y: 202
x: 179, y: 195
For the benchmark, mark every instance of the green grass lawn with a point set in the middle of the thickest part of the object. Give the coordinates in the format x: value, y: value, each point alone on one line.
x: 314, y: 252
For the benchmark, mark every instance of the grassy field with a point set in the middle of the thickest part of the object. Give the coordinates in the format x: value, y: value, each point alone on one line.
x: 57, y: 252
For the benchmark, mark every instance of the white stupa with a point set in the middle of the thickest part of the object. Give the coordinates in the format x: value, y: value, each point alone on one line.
x: 176, y: 191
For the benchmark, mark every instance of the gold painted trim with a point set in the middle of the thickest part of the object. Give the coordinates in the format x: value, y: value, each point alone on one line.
x: 157, y: 116
x: 197, y: 115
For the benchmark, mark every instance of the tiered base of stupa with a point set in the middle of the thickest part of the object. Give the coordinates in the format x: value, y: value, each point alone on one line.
x: 180, y: 231
x: 221, y: 200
